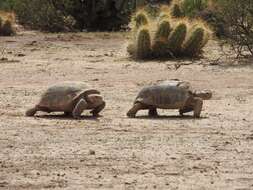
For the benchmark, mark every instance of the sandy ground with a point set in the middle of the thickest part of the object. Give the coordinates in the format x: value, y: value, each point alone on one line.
x: 113, y: 151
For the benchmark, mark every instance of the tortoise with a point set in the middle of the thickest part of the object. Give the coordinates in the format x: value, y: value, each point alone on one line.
x: 170, y: 94
x: 72, y: 98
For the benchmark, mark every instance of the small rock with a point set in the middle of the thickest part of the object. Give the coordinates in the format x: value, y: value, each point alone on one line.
x: 92, y: 152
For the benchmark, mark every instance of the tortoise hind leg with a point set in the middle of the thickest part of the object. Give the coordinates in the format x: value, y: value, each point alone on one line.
x: 152, y: 112
x: 136, y: 107
x: 185, y: 110
x: 95, y: 112
x: 66, y: 113
x: 32, y: 111
x: 198, y: 103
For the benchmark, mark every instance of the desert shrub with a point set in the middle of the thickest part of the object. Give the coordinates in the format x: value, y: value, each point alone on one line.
x: 238, y: 22
x: 58, y: 15
x: 41, y: 14
x: 170, y: 37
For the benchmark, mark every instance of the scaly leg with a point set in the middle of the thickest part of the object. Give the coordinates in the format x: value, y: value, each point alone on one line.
x: 132, y: 112
x: 66, y: 113
x: 198, y: 103
x: 185, y: 110
x: 98, y: 109
x: 79, y: 108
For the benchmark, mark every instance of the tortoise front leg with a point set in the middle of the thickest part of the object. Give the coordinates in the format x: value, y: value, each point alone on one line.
x: 95, y: 112
x: 152, y: 112
x: 79, y: 108
x: 198, y: 103
x: 136, y: 107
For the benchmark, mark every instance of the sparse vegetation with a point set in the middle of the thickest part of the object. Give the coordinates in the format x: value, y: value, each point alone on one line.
x: 41, y: 14
x: 238, y: 22
x: 65, y: 15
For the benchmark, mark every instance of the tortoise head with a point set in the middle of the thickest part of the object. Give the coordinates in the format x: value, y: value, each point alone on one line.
x: 204, y: 94
x: 95, y: 99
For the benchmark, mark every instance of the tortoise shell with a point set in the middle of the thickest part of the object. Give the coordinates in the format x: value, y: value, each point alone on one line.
x: 171, y: 94
x: 63, y: 96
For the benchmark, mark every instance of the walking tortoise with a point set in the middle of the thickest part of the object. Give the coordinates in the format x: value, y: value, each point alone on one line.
x: 72, y: 98
x: 171, y: 94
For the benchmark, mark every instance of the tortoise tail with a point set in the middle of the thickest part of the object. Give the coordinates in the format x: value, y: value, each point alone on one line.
x: 31, y: 112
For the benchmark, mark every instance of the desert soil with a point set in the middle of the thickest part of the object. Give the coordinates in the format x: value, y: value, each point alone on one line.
x: 113, y: 151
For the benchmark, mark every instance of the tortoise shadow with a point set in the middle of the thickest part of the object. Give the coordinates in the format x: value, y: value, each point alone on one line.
x: 64, y: 117
x: 169, y: 117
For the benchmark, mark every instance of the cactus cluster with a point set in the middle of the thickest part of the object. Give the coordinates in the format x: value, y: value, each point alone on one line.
x: 167, y: 36
x: 6, y: 28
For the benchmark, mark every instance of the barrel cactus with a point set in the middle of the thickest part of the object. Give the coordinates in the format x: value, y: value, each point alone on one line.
x: 176, y: 11
x: 160, y: 42
x: 143, y: 43
x: 177, y: 38
x: 193, y: 44
x: 167, y: 36
x: 141, y: 19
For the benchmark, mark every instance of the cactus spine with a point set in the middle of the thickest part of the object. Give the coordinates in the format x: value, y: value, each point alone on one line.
x: 168, y: 35
x: 160, y: 45
x: 193, y: 44
x: 176, y: 11
x: 177, y: 38
x: 141, y: 19
x: 143, y: 45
